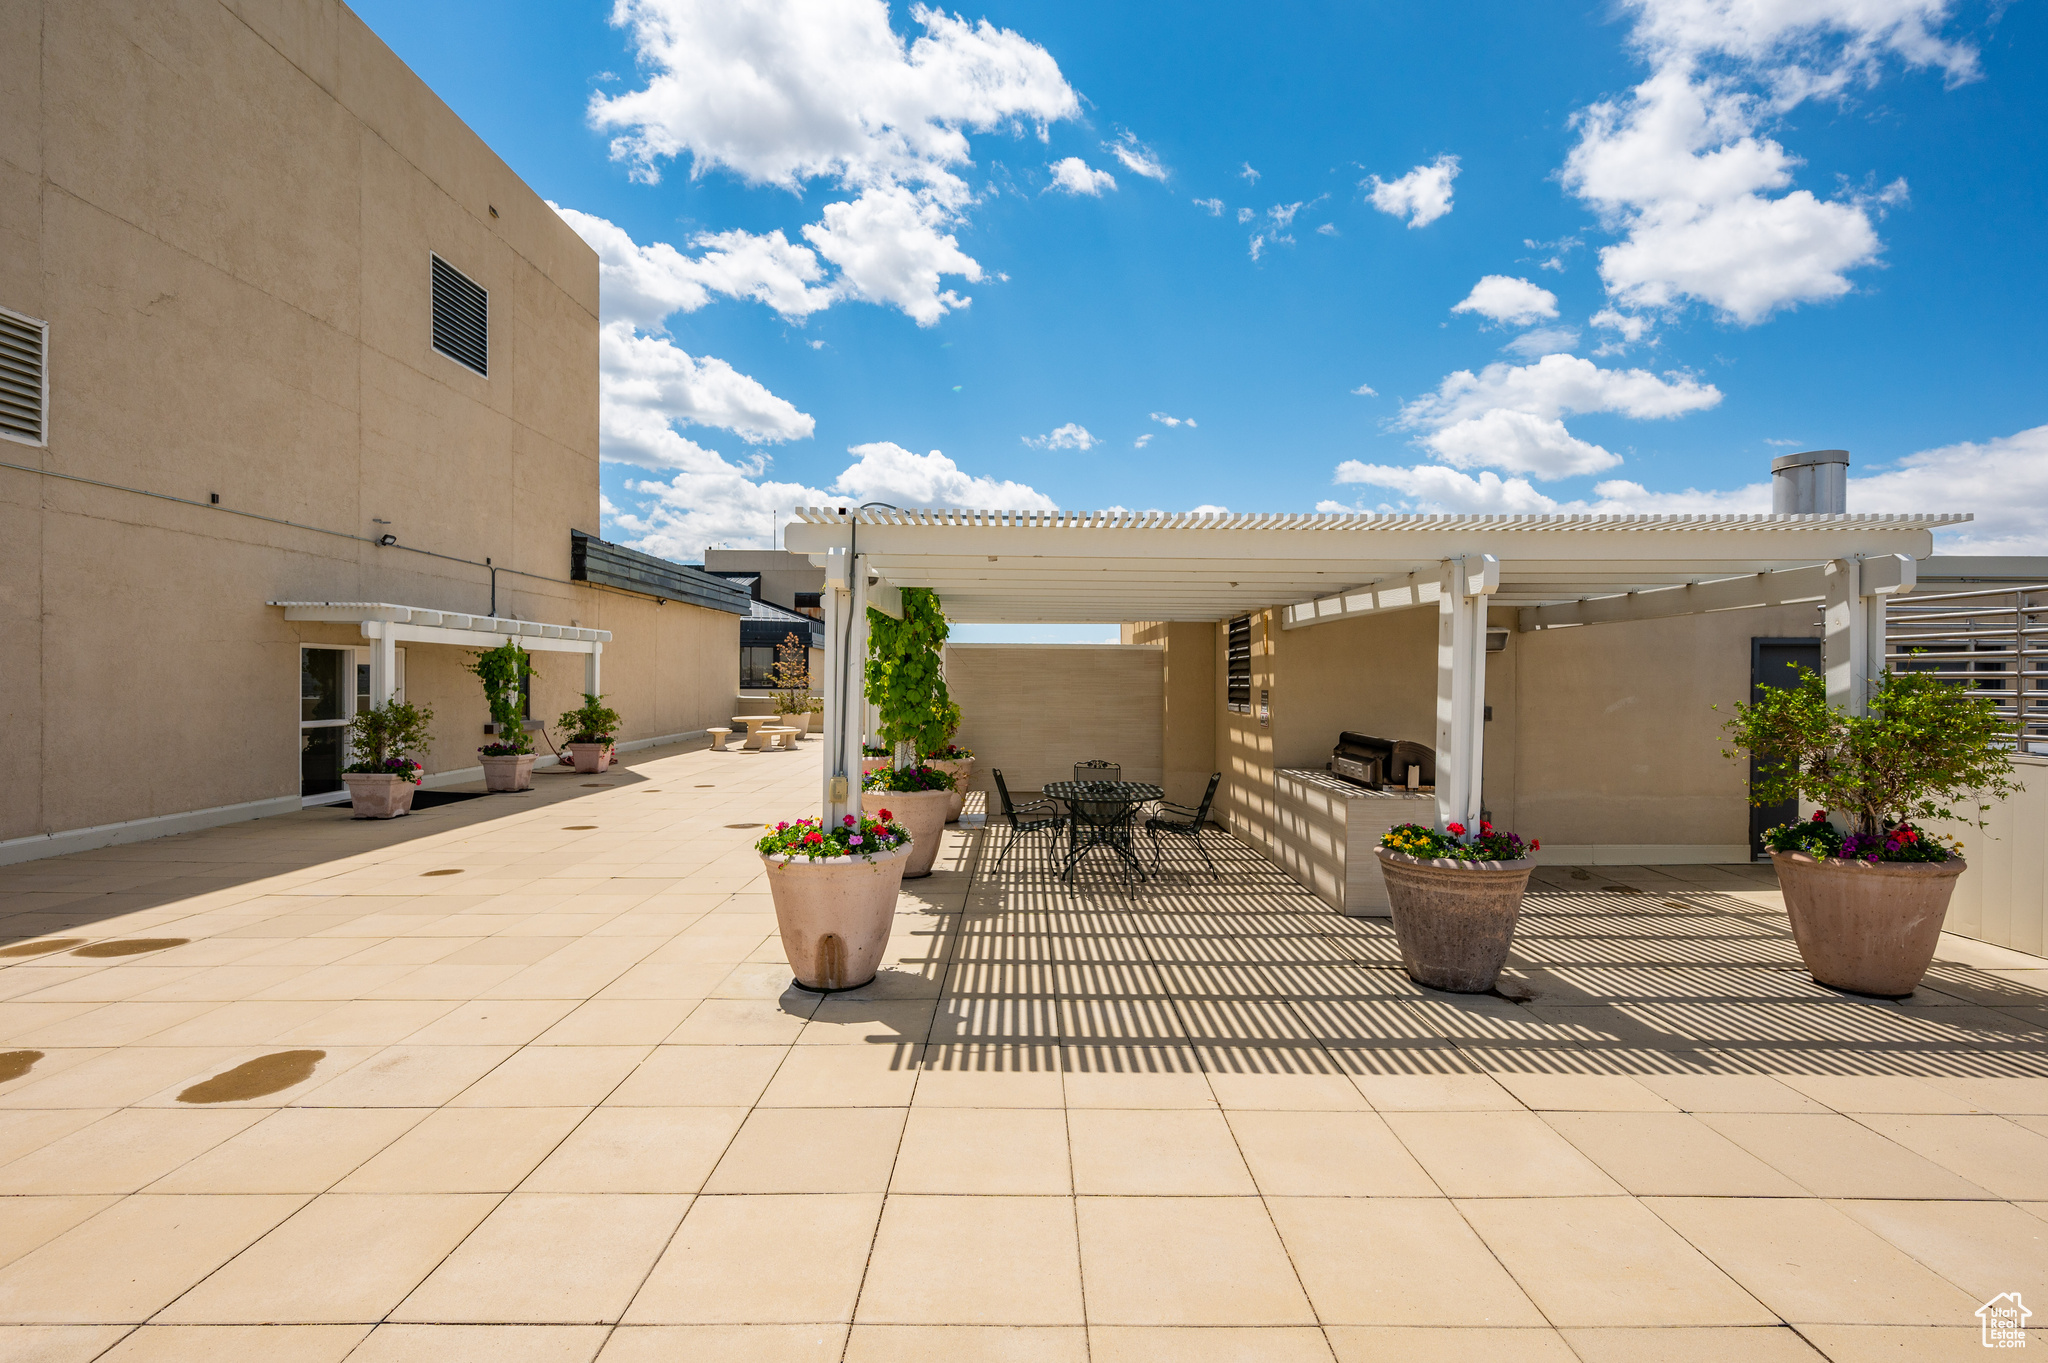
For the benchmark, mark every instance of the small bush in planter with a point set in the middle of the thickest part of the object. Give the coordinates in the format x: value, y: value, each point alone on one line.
x: 591, y: 722
x: 810, y: 839
x: 1925, y: 746
x: 1818, y: 837
x: 1488, y: 844
x: 791, y: 676
x: 384, y: 737
x: 908, y: 780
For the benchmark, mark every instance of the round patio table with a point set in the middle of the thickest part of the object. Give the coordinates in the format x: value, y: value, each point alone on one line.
x: 1100, y: 814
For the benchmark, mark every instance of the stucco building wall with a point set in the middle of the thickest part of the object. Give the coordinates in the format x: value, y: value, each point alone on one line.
x: 225, y: 212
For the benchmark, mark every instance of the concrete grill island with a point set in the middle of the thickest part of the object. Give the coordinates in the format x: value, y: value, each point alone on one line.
x: 430, y: 929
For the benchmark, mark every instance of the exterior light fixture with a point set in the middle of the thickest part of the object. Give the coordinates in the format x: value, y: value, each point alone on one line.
x: 387, y: 540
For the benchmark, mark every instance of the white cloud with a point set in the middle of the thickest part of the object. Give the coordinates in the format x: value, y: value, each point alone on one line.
x: 644, y: 377
x: 1532, y: 345
x: 891, y: 247
x: 1328, y: 229
x: 790, y: 91
x: 1433, y: 488
x: 1142, y: 441
x: 1245, y: 215
x: 1422, y: 195
x: 1248, y: 175
x: 645, y: 284
x: 1508, y: 416
x: 1165, y: 420
x: 793, y: 90
x: 1068, y: 437
x: 1215, y: 206
x: 1365, y: 390
x: 1632, y: 328
x: 1137, y: 158
x: 1072, y: 175
x: 886, y: 472
x: 1515, y: 302
x: 1279, y: 224
x: 1682, y: 168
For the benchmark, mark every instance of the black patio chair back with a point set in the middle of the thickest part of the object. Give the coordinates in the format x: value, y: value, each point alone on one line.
x: 1033, y: 816
x: 1186, y: 823
x: 1208, y: 799
x: 1003, y: 791
x: 1098, y: 770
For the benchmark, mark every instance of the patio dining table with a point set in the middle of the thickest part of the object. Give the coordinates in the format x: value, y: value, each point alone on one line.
x: 1100, y: 814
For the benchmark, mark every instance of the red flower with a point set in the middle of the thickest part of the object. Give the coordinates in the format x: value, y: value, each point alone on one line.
x: 1456, y: 830
x: 1485, y: 827
x: 1820, y: 816
x: 884, y: 815
x: 1535, y: 844
x: 814, y: 837
x: 849, y: 821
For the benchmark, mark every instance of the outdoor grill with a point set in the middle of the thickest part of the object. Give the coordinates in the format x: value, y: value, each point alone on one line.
x: 1376, y: 763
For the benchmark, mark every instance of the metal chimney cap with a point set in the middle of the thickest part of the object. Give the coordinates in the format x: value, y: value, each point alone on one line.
x: 1794, y: 461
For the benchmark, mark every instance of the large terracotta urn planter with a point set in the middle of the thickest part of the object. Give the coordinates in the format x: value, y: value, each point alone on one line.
x: 1455, y: 920
x: 589, y: 757
x: 373, y: 795
x: 834, y: 914
x: 1867, y: 927
x: 959, y: 768
x: 923, y: 814
x: 514, y: 772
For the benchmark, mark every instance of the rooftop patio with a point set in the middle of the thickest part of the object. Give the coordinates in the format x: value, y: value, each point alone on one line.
x: 546, y: 1096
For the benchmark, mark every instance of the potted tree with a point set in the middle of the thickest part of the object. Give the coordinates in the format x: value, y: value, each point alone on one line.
x: 591, y: 726
x: 1455, y: 898
x: 382, y: 779
x: 504, y: 670
x: 1866, y: 888
x: 919, y: 796
x: 956, y: 761
x: 791, y: 677
x: 834, y: 891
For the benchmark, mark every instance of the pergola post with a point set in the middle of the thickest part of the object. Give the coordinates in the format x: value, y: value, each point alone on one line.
x: 1853, y: 647
x: 383, y: 662
x: 592, y: 671
x: 1461, y: 687
x: 846, y: 651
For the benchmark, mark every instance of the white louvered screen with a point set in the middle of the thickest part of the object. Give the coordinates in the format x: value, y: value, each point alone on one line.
x: 24, y: 378
x: 462, y: 318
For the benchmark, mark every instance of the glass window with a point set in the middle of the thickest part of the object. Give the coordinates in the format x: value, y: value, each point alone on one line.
x: 320, y: 752
x: 756, y: 664
x: 322, y: 675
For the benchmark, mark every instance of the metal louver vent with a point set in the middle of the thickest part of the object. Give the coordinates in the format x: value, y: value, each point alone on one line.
x: 462, y: 318
x: 24, y: 378
x: 1239, y: 660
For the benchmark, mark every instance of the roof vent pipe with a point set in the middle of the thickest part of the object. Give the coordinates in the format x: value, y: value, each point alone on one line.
x: 1813, y: 483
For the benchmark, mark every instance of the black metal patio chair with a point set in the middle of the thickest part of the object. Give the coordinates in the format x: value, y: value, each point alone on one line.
x: 1098, y: 770
x: 1186, y: 823
x: 1033, y: 816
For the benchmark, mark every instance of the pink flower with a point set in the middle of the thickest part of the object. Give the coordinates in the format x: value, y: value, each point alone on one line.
x: 849, y: 821
x: 782, y: 827
x: 853, y: 839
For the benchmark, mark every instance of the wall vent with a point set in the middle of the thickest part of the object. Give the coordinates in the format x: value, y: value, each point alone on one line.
x: 24, y: 378
x: 462, y: 318
x: 1239, y: 665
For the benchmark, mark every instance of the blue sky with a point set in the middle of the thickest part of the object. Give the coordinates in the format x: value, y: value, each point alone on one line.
x: 1601, y: 257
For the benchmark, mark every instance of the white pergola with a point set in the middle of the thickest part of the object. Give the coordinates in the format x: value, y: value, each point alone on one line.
x: 386, y: 626
x: 1562, y: 571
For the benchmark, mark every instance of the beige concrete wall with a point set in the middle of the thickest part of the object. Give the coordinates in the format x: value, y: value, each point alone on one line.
x: 2003, y: 896
x: 1604, y: 742
x: 1034, y: 710
x: 225, y: 212
x: 1188, y: 727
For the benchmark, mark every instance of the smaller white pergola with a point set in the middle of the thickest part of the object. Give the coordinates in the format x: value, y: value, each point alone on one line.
x: 1560, y: 571
x: 386, y: 626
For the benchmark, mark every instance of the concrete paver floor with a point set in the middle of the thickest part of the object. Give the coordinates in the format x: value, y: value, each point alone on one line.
x: 522, y: 1079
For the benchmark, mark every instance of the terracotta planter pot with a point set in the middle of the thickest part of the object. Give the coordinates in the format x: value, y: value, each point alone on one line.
x: 375, y: 796
x: 834, y: 914
x: 1868, y: 927
x: 509, y: 773
x: 1455, y: 920
x: 959, y: 769
x: 589, y: 757
x: 611, y: 755
x: 923, y: 813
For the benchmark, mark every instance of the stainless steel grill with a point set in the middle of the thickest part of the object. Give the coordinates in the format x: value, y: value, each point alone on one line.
x: 1995, y: 637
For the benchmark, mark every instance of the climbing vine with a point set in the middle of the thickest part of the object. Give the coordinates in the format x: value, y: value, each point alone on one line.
x: 904, y: 678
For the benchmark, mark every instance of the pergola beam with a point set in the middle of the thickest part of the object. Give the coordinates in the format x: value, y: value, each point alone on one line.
x: 1787, y: 587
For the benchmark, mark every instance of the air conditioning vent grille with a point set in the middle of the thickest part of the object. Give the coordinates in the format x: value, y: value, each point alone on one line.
x: 24, y: 382
x: 462, y: 318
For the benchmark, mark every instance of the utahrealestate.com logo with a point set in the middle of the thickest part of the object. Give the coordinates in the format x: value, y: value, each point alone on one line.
x: 2005, y: 1321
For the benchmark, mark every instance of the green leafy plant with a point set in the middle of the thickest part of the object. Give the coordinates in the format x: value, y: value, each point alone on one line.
x: 791, y: 676
x: 952, y: 752
x: 1817, y: 837
x: 502, y: 670
x: 1925, y: 748
x: 385, y: 737
x: 591, y: 722
x: 905, y: 780
x: 1455, y: 844
x: 903, y: 674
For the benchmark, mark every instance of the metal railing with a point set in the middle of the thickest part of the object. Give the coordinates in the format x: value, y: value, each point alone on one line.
x: 1996, y: 637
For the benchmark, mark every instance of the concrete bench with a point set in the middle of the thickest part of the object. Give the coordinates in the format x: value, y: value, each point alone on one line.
x: 778, y: 737
x: 718, y: 737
